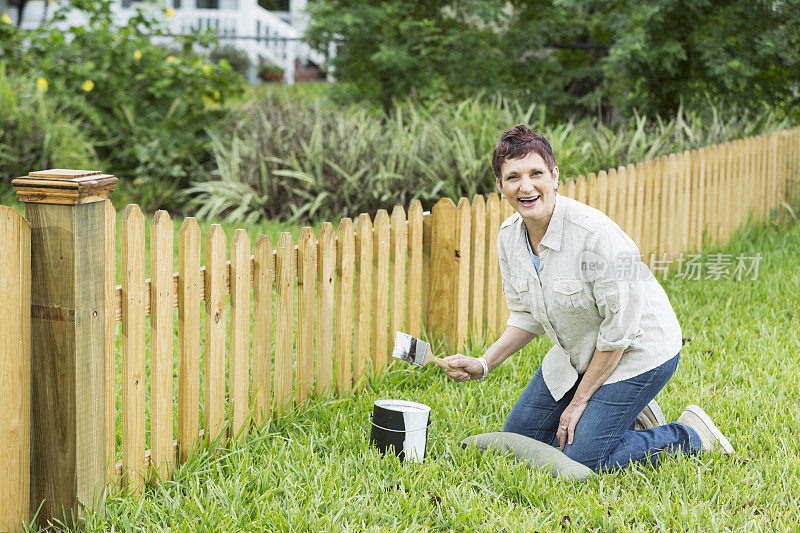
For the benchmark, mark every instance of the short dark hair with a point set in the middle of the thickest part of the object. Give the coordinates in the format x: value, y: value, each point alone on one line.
x: 518, y: 142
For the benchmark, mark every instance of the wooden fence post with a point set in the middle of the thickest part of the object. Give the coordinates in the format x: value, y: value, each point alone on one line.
x: 66, y: 211
x: 15, y: 370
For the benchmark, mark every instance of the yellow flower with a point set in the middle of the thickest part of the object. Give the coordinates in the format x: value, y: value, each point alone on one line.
x: 88, y: 85
x: 137, y: 55
x: 5, y: 18
x: 41, y: 83
x: 171, y: 59
x: 170, y: 12
x: 207, y: 70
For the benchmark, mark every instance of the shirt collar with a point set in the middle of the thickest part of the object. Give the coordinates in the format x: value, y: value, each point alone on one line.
x: 555, y: 228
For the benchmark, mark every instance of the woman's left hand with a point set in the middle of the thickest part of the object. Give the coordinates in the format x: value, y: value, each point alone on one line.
x: 569, y: 419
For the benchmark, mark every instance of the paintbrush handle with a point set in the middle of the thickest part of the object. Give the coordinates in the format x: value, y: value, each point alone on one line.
x: 441, y: 363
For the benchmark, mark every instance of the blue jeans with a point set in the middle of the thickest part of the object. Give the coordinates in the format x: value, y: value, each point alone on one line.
x: 604, y: 436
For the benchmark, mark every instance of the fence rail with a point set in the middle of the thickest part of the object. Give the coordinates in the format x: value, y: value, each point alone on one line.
x: 285, y: 322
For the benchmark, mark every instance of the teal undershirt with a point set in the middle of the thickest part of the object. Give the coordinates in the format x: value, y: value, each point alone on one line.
x: 534, y: 257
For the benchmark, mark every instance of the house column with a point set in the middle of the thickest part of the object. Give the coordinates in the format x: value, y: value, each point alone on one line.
x: 297, y: 14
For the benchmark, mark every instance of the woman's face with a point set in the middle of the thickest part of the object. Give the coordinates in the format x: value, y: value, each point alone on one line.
x: 529, y: 186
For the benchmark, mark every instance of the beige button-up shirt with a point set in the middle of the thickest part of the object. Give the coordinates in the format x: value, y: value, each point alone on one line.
x: 592, y: 291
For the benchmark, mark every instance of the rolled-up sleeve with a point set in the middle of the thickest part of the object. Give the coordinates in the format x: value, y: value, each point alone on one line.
x: 519, y: 314
x: 618, y: 289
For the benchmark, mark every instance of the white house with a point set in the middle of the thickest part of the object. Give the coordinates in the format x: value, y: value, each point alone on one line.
x: 272, y: 36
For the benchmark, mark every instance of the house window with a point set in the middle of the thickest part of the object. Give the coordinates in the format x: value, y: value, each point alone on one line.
x: 208, y: 4
x: 274, y: 5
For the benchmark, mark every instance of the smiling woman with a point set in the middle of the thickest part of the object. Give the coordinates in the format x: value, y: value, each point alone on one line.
x: 570, y: 272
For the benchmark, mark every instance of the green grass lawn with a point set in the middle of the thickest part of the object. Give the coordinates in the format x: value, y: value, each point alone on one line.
x: 314, y: 470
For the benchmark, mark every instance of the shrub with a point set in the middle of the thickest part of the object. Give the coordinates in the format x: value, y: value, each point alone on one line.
x: 301, y: 160
x: 236, y: 58
x: 35, y: 132
x: 147, y: 109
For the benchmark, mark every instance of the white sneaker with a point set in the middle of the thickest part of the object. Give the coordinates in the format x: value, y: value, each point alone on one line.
x: 697, y: 419
x: 650, y: 417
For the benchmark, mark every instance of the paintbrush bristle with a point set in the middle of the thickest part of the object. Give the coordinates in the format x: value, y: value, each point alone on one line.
x: 404, y: 347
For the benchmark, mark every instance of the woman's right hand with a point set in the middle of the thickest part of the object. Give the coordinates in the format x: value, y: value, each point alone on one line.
x: 464, y: 368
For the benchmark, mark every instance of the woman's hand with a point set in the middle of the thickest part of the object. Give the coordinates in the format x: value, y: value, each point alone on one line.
x: 464, y: 368
x: 569, y: 419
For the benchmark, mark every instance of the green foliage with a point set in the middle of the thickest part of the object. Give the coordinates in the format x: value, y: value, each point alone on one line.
x: 577, y: 57
x: 35, y: 132
x: 422, y: 49
x: 311, y: 160
x: 238, y: 59
x: 147, y: 109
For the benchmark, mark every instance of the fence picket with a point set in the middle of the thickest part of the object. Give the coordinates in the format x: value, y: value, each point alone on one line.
x: 477, y: 267
x: 581, y: 190
x: 110, y: 338
x: 728, y: 191
x: 414, y: 290
x: 363, y: 288
x: 492, y: 266
x: 345, y: 271
x: 592, y: 190
x: 215, y: 321
x: 685, y: 201
x: 783, y: 159
x: 263, y: 279
x: 239, y: 393
x: 602, y: 185
x: 462, y: 258
x: 636, y: 206
x: 399, y: 247
x: 326, y: 267
x: 188, y: 336
x: 740, y: 205
x: 613, y: 196
x: 508, y: 210
x: 568, y: 188
x: 700, y: 220
x: 651, y: 215
x: 380, y: 290
x: 16, y: 368
x: 720, y: 199
x: 133, y: 408
x: 284, y: 322
x: 306, y: 288
x: 161, y: 451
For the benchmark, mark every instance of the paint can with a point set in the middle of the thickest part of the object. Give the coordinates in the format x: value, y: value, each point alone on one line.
x: 401, y: 426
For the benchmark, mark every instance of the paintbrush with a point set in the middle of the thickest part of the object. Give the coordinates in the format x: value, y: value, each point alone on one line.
x: 415, y: 351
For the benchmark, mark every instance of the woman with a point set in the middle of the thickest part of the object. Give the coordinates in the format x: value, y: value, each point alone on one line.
x: 569, y: 271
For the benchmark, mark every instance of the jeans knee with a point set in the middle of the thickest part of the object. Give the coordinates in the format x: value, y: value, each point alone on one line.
x: 584, y: 456
x: 513, y: 426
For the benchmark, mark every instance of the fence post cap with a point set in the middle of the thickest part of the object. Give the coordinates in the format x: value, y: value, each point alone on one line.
x: 64, y: 186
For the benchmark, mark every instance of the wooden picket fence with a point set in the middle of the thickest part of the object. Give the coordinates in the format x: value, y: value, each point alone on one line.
x: 314, y: 318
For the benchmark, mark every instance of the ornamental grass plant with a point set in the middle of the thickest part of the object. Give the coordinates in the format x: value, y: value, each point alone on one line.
x: 301, y: 159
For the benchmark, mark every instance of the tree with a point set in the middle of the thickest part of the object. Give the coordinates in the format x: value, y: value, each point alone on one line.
x: 400, y: 48
x: 576, y: 56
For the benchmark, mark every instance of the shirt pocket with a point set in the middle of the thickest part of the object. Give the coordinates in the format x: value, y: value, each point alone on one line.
x: 569, y: 296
